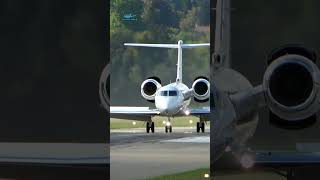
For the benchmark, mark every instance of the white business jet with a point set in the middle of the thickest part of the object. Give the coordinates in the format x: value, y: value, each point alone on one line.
x: 171, y: 100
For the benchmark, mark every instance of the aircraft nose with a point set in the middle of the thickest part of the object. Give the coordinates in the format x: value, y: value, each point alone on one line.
x: 168, y: 108
x: 164, y: 108
x: 168, y: 105
x: 162, y: 105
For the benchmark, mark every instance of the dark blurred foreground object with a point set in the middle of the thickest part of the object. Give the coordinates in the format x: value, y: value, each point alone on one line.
x: 52, y: 56
x: 53, y: 53
x: 290, y: 90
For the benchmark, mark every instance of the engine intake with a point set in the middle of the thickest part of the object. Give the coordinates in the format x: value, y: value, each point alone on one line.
x: 291, y: 86
x: 149, y: 88
x: 201, y: 89
x: 104, y: 87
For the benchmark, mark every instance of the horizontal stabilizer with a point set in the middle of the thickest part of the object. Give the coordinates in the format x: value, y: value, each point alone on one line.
x: 194, y: 45
x: 167, y: 45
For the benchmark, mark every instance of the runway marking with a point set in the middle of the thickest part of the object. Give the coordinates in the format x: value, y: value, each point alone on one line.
x: 199, y: 139
x: 188, y: 132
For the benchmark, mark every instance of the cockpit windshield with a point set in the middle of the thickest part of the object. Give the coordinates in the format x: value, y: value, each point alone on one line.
x: 163, y: 93
x: 168, y: 93
x: 173, y: 93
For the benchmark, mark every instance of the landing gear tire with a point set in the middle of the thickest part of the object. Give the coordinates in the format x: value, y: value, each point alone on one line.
x: 203, y: 127
x: 168, y: 129
x: 148, y: 127
x: 198, y: 127
x: 152, y: 127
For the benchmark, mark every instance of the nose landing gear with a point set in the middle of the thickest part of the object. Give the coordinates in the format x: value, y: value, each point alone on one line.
x: 168, y: 127
x: 150, y: 126
x: 200, y: 126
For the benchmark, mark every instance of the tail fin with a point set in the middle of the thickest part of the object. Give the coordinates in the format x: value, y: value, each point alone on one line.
x: 178, y: 46
x: 222, y: 34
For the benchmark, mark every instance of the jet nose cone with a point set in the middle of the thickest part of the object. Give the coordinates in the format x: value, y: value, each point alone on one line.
x: 165, y: 108
x: 168, y: 105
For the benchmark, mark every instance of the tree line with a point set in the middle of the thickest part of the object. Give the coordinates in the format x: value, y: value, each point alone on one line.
x: 156, y: 21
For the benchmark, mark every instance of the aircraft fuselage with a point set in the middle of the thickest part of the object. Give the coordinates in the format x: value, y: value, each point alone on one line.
x: 173, y: 99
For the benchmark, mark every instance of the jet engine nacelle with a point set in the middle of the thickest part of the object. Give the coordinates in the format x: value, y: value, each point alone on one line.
x: 291, y: 87
x: 104, y: 87
x: 201, y: 89
x: 149, y: 88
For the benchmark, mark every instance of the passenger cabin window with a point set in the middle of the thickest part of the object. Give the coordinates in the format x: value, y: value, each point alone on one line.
x: 164, y: 93
x: 173, y: 93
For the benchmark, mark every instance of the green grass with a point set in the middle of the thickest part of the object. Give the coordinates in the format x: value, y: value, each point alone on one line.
x: 194, y: 174
x: 198, y: 174
x: 176, y: 122
x: 250, y: 175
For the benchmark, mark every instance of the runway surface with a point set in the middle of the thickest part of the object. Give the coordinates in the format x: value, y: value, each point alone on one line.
x: 138, y: 155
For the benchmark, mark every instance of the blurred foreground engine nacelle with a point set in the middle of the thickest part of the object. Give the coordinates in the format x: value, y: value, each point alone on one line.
x: 201, y: 89
x: 291, y: 87
x: 149, y: 88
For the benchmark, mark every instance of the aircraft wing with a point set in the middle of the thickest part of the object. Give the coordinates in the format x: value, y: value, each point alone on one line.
x: 145, y: 113
x: 287, y: 159
x: 133, y: 113
x: 280, y: 160
x: 200, y: 111
x: 54, y: 154
x: 40, y: 160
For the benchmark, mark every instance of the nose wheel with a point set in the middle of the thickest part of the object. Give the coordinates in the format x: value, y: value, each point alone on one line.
x: 200, y: 126
x: 150, y: 126
x: 168, y: 127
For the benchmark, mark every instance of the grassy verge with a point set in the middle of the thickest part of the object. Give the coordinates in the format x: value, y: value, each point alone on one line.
x: 250, y: 175
x: 199, y: 175
x: 176, y: 122
x: 194, y: 174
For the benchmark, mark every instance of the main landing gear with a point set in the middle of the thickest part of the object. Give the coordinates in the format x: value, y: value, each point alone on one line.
x: 150, y: 126
x: 168, y: 127
x: 200, y: 126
